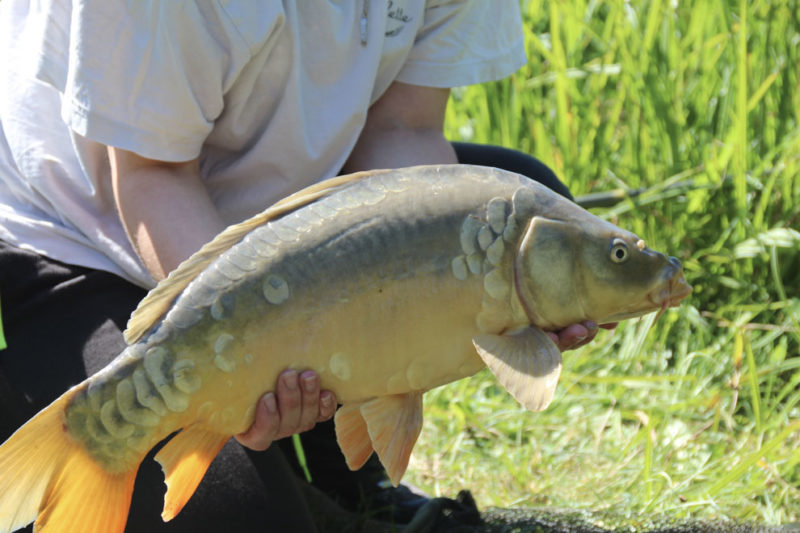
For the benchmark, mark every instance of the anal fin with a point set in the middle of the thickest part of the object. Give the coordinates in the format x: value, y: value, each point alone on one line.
x: 184, y: 460
x: 394, y: 423
x: 352, y: 435
x: 527, y: 364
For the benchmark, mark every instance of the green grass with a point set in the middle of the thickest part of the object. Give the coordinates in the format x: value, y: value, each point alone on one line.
x: 698, y: 104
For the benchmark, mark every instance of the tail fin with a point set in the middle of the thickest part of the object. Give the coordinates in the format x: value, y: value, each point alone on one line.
x: 45, y: 473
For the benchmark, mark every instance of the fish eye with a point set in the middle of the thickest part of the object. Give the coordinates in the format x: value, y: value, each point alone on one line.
x: 619, y: 251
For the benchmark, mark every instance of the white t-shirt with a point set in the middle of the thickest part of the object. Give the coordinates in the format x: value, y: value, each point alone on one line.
x: 271, y: 95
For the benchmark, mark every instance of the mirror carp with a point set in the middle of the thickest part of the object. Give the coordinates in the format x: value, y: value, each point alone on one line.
x: 386, y: 283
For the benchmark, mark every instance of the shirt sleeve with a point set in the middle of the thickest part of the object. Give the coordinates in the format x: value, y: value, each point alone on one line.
x: 151, y: 76
x: 462, y: 42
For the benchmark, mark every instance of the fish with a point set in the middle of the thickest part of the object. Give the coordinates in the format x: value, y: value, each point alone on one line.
x: 386, y: 283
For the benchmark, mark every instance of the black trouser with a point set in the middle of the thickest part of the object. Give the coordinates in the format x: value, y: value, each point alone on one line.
x: 64, y: 323
x: 511, y: 160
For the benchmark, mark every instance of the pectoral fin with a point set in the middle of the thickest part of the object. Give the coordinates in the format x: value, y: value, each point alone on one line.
x: 352, y: 435
x: 394, y: 423
x: 527, y: 364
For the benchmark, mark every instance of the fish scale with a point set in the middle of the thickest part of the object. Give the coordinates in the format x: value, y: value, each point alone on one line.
x: 387, y: 284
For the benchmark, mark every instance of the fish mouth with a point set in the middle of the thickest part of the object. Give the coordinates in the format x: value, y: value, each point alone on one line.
x: 671, y: 294
x: 668, y: 294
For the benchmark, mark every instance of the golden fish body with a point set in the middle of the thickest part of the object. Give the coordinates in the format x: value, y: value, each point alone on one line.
x: 387, y: 284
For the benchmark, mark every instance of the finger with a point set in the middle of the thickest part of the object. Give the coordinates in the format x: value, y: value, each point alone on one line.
x: 571, y: 336
x: 591, y: 333
x: 327, y: 405
x: 265, y: 426
x: 309, y: 382
x: 289, y: 403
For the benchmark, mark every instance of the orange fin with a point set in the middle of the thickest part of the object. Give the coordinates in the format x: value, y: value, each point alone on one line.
x: 86, y: 498
x: 394, y: 423
x: 184, y: 460
x: 47, y: 473
x: 352, y: 435
x: 527, y: 364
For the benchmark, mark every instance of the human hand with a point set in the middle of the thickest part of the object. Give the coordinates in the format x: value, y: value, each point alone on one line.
x: 296, y: 406
x: 576, y: 335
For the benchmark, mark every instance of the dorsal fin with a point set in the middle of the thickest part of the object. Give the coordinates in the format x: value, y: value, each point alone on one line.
x: 158, y: 301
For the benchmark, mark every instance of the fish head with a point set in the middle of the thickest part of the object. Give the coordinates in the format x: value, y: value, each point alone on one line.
x: 580, y: 267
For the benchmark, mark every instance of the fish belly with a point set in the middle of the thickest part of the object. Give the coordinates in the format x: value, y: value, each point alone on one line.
x: 401, y: 336
x: 409, y: 335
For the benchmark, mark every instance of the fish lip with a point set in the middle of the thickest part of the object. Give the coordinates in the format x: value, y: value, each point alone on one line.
x: 679, y: 290
x: 671, y: 293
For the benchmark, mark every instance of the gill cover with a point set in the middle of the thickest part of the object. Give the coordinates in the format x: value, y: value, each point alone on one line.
x: 546, y: 275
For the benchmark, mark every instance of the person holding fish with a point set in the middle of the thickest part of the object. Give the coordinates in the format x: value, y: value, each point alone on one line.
x: 131, y: 134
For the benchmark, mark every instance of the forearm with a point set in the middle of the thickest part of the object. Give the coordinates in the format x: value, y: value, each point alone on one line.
x: 403, y: 128
x: 165, y: 209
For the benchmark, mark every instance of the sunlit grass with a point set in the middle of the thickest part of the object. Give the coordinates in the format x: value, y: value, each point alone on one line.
x: 698, y: 105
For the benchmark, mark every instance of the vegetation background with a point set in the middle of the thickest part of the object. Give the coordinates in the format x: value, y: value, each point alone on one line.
x: 696, y: 104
